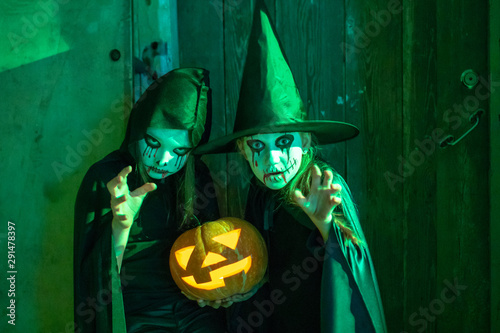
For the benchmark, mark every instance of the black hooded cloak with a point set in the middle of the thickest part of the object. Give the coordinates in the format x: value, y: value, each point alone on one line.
x: 143, y: 293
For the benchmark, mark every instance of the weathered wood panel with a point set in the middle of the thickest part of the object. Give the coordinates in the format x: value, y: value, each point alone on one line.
x: 462, y: 192
x: 418, y: 186
x: 64, y: 103
x: 237, y: 26
x: 494, y: 113
x: 374, y: 75
x: 155, y: 41
x: 201, y: 44
x: 311, y: 32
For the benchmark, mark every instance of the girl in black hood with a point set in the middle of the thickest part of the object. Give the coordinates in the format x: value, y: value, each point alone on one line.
x: 131, y: 207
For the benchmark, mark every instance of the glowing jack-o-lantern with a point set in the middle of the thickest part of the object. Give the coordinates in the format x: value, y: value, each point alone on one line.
x: 218, y: 259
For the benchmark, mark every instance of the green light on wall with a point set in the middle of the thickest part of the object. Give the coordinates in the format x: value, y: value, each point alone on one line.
x: 29, y: 34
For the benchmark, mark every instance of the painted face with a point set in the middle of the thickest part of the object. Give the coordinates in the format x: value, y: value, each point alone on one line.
x: 164, y: 151
x: 274, y: 158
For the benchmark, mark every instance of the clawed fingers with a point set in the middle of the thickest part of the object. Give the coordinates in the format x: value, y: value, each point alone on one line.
x: 336, y: 195
x: 115, y: 201
x: 227, y: 304
x: 116, y: 184
x: 115, y: 206
x: 327, y: 181
x: 215, y: 304
x: 121, y: 217
x: 299, y: 199
x: 144, y: 189
x: 316, y: 177
x: 125, y: 171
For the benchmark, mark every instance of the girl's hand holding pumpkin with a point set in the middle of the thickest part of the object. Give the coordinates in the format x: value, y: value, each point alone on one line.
x: 321, y: 200
x: 227, y: 302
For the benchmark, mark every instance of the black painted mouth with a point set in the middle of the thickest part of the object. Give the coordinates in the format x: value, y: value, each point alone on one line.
x: 152, y: 168
x: 294, y: 163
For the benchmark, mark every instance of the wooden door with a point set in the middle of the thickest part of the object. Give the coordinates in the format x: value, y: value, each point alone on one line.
x: 393, y: 68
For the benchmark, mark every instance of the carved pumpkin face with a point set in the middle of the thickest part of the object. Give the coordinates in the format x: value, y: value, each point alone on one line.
x: 218, y: 259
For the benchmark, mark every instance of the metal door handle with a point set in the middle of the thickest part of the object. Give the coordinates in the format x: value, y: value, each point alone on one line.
x: 450, y: 139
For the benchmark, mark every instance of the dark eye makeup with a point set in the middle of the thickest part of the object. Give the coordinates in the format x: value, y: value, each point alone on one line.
x: 284, y: 141
x: 152, y: 142
x: 256, y: 145
x: 182, y: 151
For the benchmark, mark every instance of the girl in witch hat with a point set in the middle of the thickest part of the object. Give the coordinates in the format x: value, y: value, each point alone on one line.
x: 320, y: 275
x: 129, y: 211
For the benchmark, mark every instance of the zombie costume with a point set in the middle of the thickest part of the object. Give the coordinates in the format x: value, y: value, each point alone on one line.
x: 312, y: 285
x: 143, y: 296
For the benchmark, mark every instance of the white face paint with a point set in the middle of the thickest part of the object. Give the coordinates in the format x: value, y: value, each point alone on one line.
x: 164, y: 151
x: 274, y: 158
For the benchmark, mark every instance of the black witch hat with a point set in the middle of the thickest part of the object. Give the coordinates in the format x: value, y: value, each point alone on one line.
x: 269, y: 100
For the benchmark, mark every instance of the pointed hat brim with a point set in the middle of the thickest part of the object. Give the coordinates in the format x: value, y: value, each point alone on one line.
x: 326, y: 132
x: 269, y: 100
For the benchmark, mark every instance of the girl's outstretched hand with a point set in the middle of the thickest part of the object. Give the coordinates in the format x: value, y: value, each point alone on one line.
x: 124, y: 203
x: 321, y: 200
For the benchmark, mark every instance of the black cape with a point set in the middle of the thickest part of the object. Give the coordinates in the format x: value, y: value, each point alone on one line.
x: 181, y: 97
x: 313, y: 286
x: 98, y: 287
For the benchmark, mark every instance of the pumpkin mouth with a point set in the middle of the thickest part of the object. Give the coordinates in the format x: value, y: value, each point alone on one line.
x: 225, y: 257
x: 217, y: 275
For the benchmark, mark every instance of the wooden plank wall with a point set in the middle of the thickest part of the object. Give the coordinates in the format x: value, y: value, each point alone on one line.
x: 391, y: 67
x: 495, y: 165
x: 374, y: 76
x: 419, y: 52
x: 463, y: 188
x: 201, y: 44
x: 64, y: 105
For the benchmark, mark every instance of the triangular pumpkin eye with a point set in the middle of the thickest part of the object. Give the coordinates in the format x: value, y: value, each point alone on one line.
x: 212, y: 258
x: 229, y: 239
x: 183, y: 256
